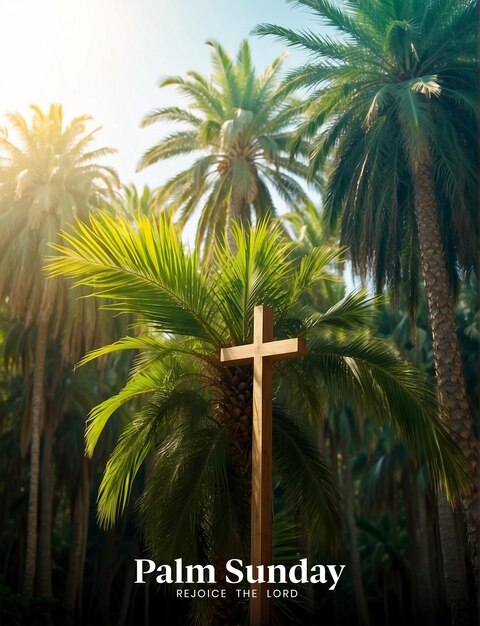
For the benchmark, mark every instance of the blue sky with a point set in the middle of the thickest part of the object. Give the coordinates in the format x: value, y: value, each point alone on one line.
x: 105, y: 57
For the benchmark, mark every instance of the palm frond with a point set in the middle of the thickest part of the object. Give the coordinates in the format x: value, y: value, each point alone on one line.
x: 309, y: 486
x: 144, y: 270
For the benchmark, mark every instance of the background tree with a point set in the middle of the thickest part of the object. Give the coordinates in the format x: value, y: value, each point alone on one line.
x: 238, y: 123
x: 395, y: 100
x: 49, y: 176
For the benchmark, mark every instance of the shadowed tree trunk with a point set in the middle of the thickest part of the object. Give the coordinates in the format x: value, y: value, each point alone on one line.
x: 236, y: 413
x: 108, y: 564
x: 37, y: 409
x: 360, y: 600
x: 71, y: 587
x: 455, y: 577
x: 333, y: 450
x: 128, y: 586
x: 79, y: 517
x: 238, y: 211
x: 435, y: 549
x: 448, y: 364
x: 421, y: 584
x: 425, y: 573
x: 45, y: 551
x: 86, y: 482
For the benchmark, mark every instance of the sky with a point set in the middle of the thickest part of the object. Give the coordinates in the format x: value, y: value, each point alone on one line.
x: 105, y: 58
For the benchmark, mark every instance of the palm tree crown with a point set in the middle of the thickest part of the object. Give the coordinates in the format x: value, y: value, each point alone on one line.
x: 398, y: 88
x: 237, y: 121
x: 49, y: 176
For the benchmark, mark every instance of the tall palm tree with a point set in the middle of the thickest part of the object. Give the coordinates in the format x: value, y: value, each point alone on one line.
x: 237, y: 124
x: 395, y: 101
x: 49, y: 175
x: 198, y: 417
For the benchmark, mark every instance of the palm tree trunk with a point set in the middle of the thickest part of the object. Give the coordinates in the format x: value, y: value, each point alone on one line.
x: 239, y: 208
x: 333, y: 448
x: 435, y: 550
x: 129, y: 578
x: 71, y: 588
x: 448, y: 364
x: 37, y: 408
x: 76, y: 566
x: 238, y: 211
x: 425, y: 577
x: 360, y: 600
x: 236, y: 413
x: 109, y: 564
x: 455, y: 577
x: 85, y: 485
x: 230, y: 240
x: 421, y: 583
x: 45, y: 552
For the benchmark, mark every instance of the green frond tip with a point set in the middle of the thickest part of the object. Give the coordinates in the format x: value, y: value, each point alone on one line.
x: 141, y: 270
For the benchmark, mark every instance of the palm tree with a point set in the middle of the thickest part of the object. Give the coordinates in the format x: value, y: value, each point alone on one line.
x: 49, y: 175
x: 395, y: 102
x: 198, y: 417
x: 237, y: 122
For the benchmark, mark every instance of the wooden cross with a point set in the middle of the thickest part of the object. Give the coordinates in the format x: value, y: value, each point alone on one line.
x: 262, y: 352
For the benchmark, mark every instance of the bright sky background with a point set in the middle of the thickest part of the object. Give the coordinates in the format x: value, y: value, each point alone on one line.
x: 105, y: 57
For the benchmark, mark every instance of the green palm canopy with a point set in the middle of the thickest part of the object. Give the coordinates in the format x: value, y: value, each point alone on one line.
x: 49, y: 176
x: 394, y: 104
x: 196, y: 414
x: 396, y: 92
x: 236, y: 126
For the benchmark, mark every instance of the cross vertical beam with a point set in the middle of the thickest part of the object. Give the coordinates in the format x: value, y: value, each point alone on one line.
x: 262, y: 352
x: 261, y: 515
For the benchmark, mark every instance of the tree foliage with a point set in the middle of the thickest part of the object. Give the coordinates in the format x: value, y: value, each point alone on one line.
x: 237, y: 126
x: 187, y: 316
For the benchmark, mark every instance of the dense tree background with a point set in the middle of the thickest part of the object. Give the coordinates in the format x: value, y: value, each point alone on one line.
x: 366, y: 155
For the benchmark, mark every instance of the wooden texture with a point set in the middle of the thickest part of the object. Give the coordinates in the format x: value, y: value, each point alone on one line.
x: 262, y: 352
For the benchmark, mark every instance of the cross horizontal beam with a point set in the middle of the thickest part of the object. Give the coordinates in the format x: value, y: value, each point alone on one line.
x: 274, y: 350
